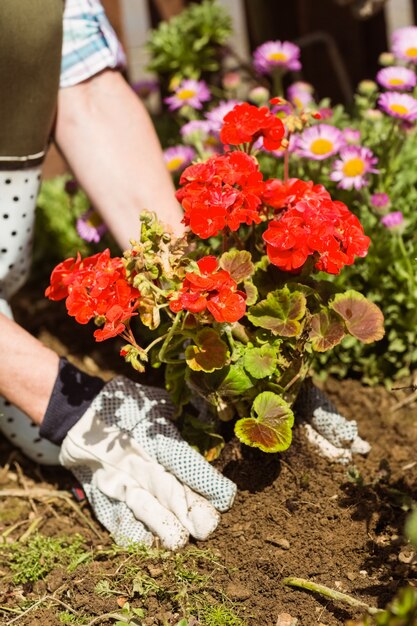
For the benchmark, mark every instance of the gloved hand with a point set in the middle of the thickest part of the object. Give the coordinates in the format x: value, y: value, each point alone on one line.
x: 140, y: 477
x: 334, y: 437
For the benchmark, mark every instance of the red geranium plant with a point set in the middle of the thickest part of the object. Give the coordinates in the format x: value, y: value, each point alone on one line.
x: 239, y: 305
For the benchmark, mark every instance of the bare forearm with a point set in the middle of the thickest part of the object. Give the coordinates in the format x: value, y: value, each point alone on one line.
x: 28, y: 370
x: 109, y: 141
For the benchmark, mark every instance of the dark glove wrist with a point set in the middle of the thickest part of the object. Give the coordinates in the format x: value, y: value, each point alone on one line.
x: 71, y: 396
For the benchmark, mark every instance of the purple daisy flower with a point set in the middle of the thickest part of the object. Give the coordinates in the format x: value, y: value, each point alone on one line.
x: 196, y: 130
x: 90, y: 226
x: 404, y: 44
x: 319, y: 142
x: 352, y: 136
x: 399, y: 105
x: 380, y: 201
x: 300, y: 94
x: 396, y: 78
x: 190, y: 93
x: 217, y: 114
x: 273, y: 55
x: 350, y: 170
x: 393, y: 220
x: 178, y: 157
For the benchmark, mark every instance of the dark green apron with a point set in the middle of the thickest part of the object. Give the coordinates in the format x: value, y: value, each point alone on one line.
x: 30, y: 58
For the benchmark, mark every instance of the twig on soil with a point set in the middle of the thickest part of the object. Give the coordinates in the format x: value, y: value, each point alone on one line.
x: 117, y: 616
x: 33, y: 526
x: 404, y: 402
x: 39, y: 602
x: 302, y: 583
x: 22, y: 480
x: 41, y: 493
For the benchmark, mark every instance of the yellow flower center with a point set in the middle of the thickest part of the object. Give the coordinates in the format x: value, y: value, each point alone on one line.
x: 186, y: 94
x: 354, y: 167
x: 175, y: 163
x: 277, y: 56
x: 321, y: 146
x: 411, y: 52
x: 94, y: 220
x: 297, y: 102
x: 398, y: 108
x: 396, y: 81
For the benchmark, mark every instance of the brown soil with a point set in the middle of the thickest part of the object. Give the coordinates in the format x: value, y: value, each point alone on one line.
x: 295, y: 515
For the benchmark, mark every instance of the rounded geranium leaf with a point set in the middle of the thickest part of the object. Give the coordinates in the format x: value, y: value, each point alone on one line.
x: 326, y: 331
x: 209, y: 353
x: 260, y: 362
x: 363, y: 318
x: 271, y: 430
x: 280, y: 313
x: 251, y: 292
x: 238, y: 263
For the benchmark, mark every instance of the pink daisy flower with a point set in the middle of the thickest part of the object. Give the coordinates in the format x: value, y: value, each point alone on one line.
x: 90, y: 226
x: 300, y: 94
x: 178, y: 157
x: 217, y: 114
x: 393, y: 220
x: 380, y: 201
x: 352, y: 136
x: 276, y: 54
x: 404, y: 43
x: 196, y: 130
x: 319, y: 142
x: 190, y: 93
x: 399, y: 105
x: 350, y: 170
x: 396, y: 78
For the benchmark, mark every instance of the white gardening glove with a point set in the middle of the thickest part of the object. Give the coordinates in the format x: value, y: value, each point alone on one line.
x: 140, y: 477
x: 335, y: 437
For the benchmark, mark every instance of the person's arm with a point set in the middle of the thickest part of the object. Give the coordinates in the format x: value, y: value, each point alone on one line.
x: 28, y: 370
x: 109, y: 141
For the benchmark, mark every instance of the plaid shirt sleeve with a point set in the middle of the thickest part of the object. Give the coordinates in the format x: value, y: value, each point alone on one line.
x: 90, y: 44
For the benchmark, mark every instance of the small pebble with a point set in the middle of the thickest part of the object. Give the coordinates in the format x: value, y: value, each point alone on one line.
x: 285, y: 619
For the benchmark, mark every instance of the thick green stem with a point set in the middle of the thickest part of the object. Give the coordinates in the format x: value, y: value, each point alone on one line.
x: 308, y: 585
x: 169, y: 336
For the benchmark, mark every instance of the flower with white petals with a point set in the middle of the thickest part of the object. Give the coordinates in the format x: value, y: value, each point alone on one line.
x: 319, y: 142
x: 190, y: 93
x: 396, y: 78
x: 273, y: 55
x: 178, y: 157
x: 352, y: 167
x: 399, y: 105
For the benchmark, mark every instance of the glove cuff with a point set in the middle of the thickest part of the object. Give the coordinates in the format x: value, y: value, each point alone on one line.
x: 71, y: 396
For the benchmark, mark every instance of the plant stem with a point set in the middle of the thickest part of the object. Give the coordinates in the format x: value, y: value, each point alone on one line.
x: 169, y: 336
x: 302, y: 583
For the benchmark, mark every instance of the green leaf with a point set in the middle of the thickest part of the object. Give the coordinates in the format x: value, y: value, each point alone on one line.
x: 280, y: 313
x: 238, y: 263
x: 260, y: 362
x: 201, y: 435
x: 326, y: 331
x: 236, y: 381
x: 270, y: 424
x: 251, y: 292
x: 209, y: 352
x: 364, y: 319
x: 175, y: 385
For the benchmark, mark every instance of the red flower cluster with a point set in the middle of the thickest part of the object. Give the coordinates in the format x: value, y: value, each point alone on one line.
x: 225, y: 190
x: 281, y: 194
x: 316, y: 226
x: 211, y: 289
x: 95, y: 287
x: 245, y: 123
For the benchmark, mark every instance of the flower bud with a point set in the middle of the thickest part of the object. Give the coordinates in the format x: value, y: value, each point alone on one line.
x: 367, y: 87
x: 258, y: 95
x: 386, y: 58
